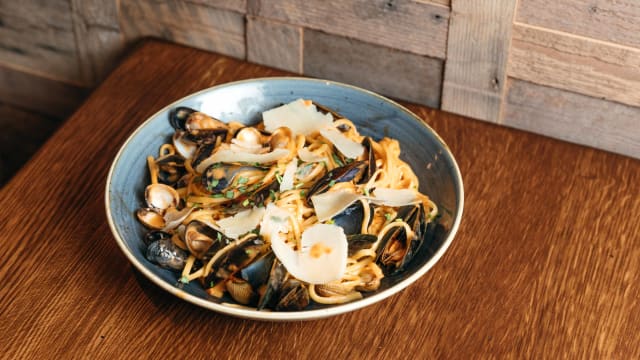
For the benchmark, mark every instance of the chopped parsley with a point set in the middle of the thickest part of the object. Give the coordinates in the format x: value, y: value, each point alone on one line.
x: 184, y: 280
x: 337, y: 160
x: 245, y: 202
x: 279, y: 177
x: 331, y: 183
x: 387, y: 216
x: 242, y: 189
x: 242, y: 180
x: 366, y: 191
x: 303, y: 192
x: 216, y: 196
x: 219, y: 236
x: 229, y: 194
x: 272, y: 195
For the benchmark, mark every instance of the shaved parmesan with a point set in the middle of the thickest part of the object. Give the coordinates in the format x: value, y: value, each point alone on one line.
x: 299, y: 116
x: 346, y: 146
x: 332, y: 203
x: 274, y: 222
x: 233, y: 156
x: 242, y: 222
x: 322, y: 257
x: 307, y: 156
x: 394, y: 197
x: 289, y: 173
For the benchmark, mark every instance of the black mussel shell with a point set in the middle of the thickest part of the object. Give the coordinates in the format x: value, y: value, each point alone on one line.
x: 294, y: 296
x: 360, y: 241
x: 349, y: 172
x: 178, y: 117
x: 155, y: 235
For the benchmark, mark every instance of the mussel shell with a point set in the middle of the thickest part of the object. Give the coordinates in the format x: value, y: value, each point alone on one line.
x: 414, y: 216
x: 271, y: 294
x: 352, y: 171
x: 204, y: 128
x: 170, y: 169
x: 178, y: 117
x: 166, y: 254
x: 219, y: 176
x: 371, y: 160
x: 235, y: 257
x: 203, y: 152
x: 350, y: 220
x: 155, y: 235
x: 294, y: 296
x: 360, y: 241
x: 257, y: 273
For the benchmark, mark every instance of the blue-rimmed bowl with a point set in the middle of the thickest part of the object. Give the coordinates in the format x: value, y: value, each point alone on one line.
x: 243, y: 101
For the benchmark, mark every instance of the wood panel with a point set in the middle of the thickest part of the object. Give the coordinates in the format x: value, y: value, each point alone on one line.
x: 191, y: 24
x: 37, y: 36
x: 573, y: 117
x: 274, y: 44
x: 390, y: 72
x: 40, y: 94
x: 609, y: 20
x: 408, y: 25
x: 233, y: 5
x: 477, y: 52
x: 576, y: 64
x: 99, y: 40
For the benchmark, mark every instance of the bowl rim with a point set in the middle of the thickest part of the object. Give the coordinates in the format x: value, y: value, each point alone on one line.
x: 249, y: 313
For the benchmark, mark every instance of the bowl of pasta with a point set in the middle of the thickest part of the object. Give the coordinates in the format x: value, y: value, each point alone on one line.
x: 284, y: 198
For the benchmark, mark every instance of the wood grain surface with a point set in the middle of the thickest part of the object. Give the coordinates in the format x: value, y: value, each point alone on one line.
x: 545, y: 265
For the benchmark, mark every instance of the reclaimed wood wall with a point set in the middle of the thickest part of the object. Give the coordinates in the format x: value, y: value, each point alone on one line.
x: 568, y: 69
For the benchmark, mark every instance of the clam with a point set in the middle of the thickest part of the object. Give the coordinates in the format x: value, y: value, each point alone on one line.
x: 202, y: 240
x: 281, y: 138
x: 398, y: 247
x: 248, y: 139
x: 150, y: 218
x: 240, y: 290
x: 161, y: 196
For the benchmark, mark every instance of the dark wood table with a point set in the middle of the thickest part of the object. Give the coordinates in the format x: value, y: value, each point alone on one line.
x: 546, y: 262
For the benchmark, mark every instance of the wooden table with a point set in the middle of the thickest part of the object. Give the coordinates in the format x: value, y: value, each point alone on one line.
x: 546, y: 262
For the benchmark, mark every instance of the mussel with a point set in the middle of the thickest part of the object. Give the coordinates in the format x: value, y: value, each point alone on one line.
x: 353, y: 171
x: 397, y: 247
x: 293, y: 296
x: 203, y: 128
x: 178, y: 117
x: 351, y: 218
x: 170, y: 169
x: 232, y: 259
x: 166, y: 254
x: 155, y: 235
x: 360, y: 241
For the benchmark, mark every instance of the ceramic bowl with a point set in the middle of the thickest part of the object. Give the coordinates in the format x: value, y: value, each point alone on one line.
x: 243, y: 101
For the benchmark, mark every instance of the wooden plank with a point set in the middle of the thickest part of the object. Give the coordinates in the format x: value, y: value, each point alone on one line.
x: 573, y: 117
x: 477, y: 52
x: 37, y: 36
x: 40, y: 94
x: 608, y: 20
x: 407, y: 25
x: 274, y: 44
x: 191, y: 24
x: 98, y: 37
x: 440, y: 2
x: 578, y: 64
x: 391, y: 72
x: 233, y: 5
x: 18, y: 140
